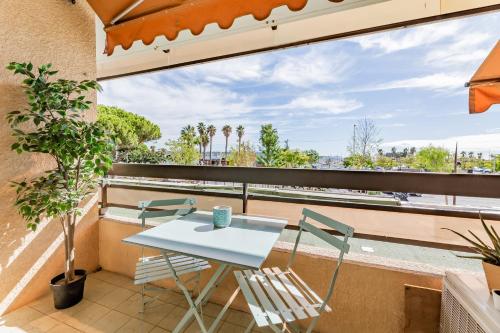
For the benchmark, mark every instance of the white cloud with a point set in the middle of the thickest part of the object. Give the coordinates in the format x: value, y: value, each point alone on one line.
x: 436, y: 82
x: 314, y: 67
x: 248, y: 68
x: 173, y: 105
x: 486, y: 143
x: 398, y: 40
x: 318, y: 103
x: 464, y: 49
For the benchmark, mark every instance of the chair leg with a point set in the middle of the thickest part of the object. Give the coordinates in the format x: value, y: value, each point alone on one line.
x: 250, y: 326
x: 142, y: 298
x: 312, y: 324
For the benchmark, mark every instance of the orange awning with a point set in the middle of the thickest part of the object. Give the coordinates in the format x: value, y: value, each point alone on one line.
x: 126, y: 21
x: 484, y: 88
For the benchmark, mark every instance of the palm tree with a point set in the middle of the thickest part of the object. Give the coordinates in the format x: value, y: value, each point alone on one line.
x: 240, y: 130
x: 201, y: 131
x: 188, y: 134
x: 211, y: 133
x: 204, y: 142
x: 227, y: 132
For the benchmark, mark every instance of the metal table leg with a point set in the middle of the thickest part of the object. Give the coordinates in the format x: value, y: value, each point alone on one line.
x: 202, y: 298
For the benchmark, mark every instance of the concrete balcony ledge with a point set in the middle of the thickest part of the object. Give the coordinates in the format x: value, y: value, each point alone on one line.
x: 370, y: 260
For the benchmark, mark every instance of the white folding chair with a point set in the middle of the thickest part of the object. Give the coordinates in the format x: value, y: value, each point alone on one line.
x: 279, y: 297
x: 154, y: 268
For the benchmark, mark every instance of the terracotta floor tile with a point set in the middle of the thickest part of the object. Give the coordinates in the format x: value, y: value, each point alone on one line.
x: 159, y: 330
x: 136, y: 326
x: 212, y: 309
x: 194, y: 327
x: 239, y: 318
x: 20, y: 317
x: 154, y: 312
x: 230, y: 328
x: 44, y: 304
x: 82, y: 316
x: 171, y: 320
x: 42, y: 324
x: 172, y: 297
x: 112, y: 322
x: 96, y: 289
x: 115, y: 297
x: 63, y: 328
x: 116, y: 279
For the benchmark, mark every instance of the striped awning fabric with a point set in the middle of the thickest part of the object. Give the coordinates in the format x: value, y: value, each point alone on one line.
x: 127, y: 21
x: 484, y: 86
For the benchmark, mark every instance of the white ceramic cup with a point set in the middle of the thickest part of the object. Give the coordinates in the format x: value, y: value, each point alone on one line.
x: 496, y: 298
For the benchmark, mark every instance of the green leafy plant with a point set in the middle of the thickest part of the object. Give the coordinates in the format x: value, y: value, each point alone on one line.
x: 54, y: 124
x: 487, y: 253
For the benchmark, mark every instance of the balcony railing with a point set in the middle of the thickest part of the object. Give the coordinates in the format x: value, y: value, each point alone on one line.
x: 470, y: 185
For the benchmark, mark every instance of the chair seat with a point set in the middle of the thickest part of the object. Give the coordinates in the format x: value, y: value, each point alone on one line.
x: 155, y: 268
x: 275, y: 297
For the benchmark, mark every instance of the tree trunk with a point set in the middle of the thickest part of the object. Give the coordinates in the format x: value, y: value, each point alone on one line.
x: 204, y: 154
x: 225, y: 150
x: 69, y: 273
x: 210, y: 153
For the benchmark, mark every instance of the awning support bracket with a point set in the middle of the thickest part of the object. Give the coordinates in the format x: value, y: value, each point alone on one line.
x: 126, y: 11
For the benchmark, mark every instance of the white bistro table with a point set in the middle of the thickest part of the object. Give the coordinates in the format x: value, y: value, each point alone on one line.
x: 246, y: 243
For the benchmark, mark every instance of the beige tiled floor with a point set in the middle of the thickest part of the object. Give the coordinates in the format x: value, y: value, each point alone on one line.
x: 111, y: 303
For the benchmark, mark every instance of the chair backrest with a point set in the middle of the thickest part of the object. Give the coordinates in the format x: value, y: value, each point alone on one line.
x: 341, y: 244
x: 184, y: 206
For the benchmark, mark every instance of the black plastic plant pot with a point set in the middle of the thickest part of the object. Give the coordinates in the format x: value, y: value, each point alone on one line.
x: 67, y: 295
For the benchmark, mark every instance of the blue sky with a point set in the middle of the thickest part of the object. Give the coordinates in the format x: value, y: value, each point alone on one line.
x: 409, y: 81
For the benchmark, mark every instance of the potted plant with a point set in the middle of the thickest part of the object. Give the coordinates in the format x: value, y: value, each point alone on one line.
x: 489, y: 254
x: 54, y: 124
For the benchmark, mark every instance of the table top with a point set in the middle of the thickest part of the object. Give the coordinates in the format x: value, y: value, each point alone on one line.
x: 245, y: 243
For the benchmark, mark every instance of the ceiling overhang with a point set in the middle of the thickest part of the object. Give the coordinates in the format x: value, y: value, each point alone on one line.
x: 287, y: 25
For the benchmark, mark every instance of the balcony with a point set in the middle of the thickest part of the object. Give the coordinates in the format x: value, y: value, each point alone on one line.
x: 395, y: 288
x: 405, y: 271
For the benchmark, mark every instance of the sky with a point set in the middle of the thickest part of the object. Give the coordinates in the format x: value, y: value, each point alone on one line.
x: 410, y: 82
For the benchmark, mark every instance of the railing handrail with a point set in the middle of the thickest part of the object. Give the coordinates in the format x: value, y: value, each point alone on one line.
x: 470, y: 185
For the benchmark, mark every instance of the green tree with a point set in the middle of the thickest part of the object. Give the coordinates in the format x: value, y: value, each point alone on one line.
x: 434, y: 159
x: 211, y: 133
x: 183, y: 150
x: 240, y: 131
x: 358, y: 161
x: 145, y: 155
x: 294, y: 158
x: 313, y: 156
x: 188, y: 134
x: 385, y: 162
x: 270, y: 154
x: 226, y: 130
x: 202, y: 130
x: 204, y: 142
x: 128, y: 128
x: 54, y: 124
x: 243, y: 155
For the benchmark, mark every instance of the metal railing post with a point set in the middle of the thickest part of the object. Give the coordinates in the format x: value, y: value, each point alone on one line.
x: 245, y: 197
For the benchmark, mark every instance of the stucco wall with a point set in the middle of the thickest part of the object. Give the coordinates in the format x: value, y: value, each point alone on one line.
x: 63, y: 34
x: 369, y: 297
